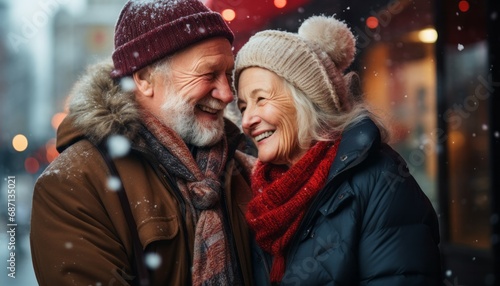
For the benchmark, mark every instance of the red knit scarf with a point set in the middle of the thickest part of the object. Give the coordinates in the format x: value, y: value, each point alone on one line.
x: 281, y: 198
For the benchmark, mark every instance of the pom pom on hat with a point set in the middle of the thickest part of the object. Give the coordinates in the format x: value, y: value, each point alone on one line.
x: 332, y: 36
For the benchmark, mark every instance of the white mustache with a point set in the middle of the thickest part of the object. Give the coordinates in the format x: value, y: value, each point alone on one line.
x: 213, y: 104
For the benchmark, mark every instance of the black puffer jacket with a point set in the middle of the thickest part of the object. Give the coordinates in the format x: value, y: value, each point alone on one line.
x: 370, y: 225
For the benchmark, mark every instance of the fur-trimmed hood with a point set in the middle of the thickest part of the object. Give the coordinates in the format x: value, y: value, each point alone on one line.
x: 98, y: 108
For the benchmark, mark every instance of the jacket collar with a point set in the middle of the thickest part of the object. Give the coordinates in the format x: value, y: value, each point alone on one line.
x: 356, y: 143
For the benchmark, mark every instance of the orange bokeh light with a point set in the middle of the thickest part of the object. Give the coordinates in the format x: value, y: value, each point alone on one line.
x: 50, y: 150
x: 57, y: 119
x: 280, y: 3
x: 372, y: 22
x: 20, y: 142
x: 228, y: 14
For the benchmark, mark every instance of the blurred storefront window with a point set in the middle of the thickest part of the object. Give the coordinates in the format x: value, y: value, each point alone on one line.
x: 468, y: 146
x: 398, y: 71
x: 435, y: 93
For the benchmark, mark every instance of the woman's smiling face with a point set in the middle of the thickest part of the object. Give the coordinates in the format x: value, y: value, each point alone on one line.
x: 269, y: 115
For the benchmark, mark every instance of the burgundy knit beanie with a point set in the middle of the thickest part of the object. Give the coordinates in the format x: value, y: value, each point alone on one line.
x: 149, y: 30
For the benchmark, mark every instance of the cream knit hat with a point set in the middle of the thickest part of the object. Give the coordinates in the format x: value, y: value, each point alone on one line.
x: 313, y: 60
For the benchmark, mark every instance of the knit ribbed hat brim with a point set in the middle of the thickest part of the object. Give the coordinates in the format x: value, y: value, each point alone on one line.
x: 312, y: 60
x: 148, y: 31
x: 290, y: 57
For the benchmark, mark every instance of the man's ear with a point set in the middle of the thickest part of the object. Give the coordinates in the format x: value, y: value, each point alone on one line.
x: 143, y: 81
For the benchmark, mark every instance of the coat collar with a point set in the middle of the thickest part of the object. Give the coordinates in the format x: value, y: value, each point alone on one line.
x: 356, y: 143
x: 98, y: 107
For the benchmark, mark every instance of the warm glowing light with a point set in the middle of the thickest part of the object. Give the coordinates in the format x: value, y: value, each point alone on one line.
x: 228, y: 15
x: 463, y: 6
x: 372, y: 22
x: 51, y: 151
x: 57, y: 119
x: 280, y: 3
x: 20, y: 143
x: 428, y: 35
x: 31, y: 165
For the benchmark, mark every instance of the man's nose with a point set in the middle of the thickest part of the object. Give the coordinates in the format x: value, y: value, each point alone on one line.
x: 223, y: 91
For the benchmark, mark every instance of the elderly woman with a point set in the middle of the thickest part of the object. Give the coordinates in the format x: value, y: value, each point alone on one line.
x: 333, y: 203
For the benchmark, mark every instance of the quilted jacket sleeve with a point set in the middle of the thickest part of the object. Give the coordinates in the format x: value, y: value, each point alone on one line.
x: 399, y: 234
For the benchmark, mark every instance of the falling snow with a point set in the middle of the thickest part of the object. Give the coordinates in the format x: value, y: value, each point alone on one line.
x: 118, y: 146
x: 127, y: 83
x: 460, y: 47
x: 153, y: 260
x: 114, y: 183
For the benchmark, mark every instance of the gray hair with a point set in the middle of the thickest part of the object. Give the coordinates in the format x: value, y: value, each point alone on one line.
x: 161, y: 67
x: 316, y: 124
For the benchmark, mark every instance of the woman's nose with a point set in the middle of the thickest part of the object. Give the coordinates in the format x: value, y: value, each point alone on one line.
x: 249, y: 119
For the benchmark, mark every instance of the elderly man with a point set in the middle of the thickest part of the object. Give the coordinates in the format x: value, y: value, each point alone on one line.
x: 150, y: 184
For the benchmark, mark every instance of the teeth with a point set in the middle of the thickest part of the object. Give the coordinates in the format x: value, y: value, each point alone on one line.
x: 264, y: 135
x: 208, y: 109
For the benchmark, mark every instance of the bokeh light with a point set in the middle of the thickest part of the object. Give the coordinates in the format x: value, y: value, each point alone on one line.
x: 280, y: 3
x: 57, y: 119
x: 31, y: 165
x: 372, y: 22
x: 20, y: 143
x: 428, y: 35
x: 463, y: 6
x: 50, y: 150
x: 228, y: 14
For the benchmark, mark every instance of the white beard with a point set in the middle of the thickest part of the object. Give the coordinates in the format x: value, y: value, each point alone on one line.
x: 179, y: 115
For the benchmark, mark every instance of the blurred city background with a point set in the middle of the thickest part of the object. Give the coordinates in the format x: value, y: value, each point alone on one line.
x: 428, y: 67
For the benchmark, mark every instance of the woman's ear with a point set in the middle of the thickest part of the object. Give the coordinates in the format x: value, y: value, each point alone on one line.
x: 143, y: 81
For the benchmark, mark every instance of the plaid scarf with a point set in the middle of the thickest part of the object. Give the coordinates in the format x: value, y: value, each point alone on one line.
x: 281, y: 198
x: 198, y: 179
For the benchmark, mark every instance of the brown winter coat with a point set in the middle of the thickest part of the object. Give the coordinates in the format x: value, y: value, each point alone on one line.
x: 79, y: 235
